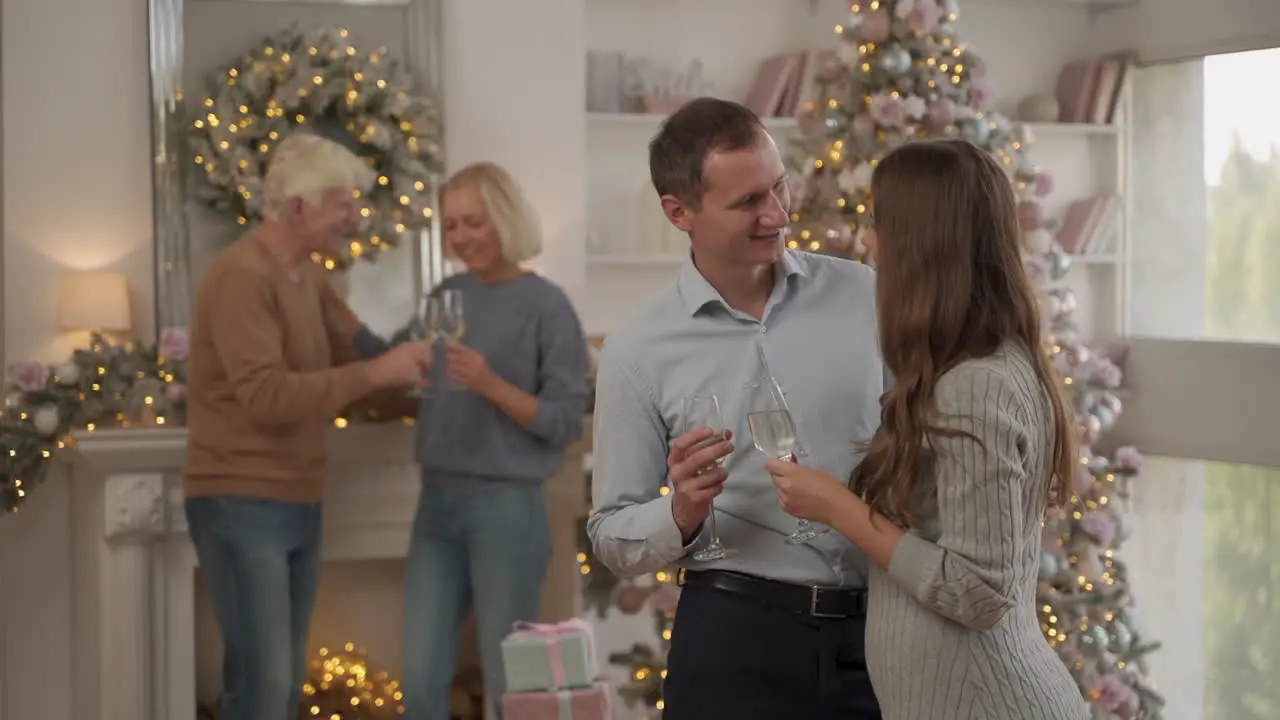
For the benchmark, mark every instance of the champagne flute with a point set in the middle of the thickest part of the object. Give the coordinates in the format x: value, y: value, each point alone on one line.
x: 423, y: 328
x: 773, y: 431
x: 450, y: 322
x: 703, y: 411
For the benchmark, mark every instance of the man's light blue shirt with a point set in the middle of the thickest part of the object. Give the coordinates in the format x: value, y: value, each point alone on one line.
x: 819, y: 338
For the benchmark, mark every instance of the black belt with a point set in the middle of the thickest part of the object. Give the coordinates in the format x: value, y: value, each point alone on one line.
x: 808, y: 600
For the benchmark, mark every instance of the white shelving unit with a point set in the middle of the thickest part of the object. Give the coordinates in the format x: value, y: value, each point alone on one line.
x: 631, y: 255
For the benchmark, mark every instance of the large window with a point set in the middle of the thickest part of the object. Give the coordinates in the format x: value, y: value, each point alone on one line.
x: 1204, y: 381
x: 1206, y: 211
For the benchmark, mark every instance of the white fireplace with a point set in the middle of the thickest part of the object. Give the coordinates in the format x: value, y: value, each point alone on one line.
x: 99, y: 614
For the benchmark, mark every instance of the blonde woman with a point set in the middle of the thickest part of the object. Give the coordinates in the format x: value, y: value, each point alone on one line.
x: 480, y: 539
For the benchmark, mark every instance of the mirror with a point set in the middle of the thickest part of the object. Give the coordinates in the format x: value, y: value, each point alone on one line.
x: 380, y: 60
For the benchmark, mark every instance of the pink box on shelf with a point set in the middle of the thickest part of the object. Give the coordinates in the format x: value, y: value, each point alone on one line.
x: 590, y: 703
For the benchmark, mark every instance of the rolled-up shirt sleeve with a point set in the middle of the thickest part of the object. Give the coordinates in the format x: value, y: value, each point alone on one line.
x: 632, y: 529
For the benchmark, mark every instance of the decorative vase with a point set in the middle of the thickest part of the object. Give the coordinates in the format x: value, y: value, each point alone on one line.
x: 1038, y: 108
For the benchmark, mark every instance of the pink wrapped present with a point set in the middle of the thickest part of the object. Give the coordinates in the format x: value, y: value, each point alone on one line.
x: 591, y: 703
x: 554, y: 656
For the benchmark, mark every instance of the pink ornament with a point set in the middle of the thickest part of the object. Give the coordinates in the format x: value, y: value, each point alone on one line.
x: 888, y: 111
x: 982, y: 92
x: 875, y: 27
x: 1088, y: 429
x: 630, y: 598
x: 1044, y: 183
x: 863, y: 125
x: 1111, y: 402
x: 1116, y: 697
x: 29, y: 376
x: 923, y: 18
x: 174, y: 344
x: 1030, y: 215
x: 813, y: 122
x: 175, y: 393
x: 1129, y: 458
x: 1100, y: 525
x: 941, y: 113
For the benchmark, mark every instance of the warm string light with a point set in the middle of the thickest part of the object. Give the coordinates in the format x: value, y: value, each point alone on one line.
x: 342, y: 685
x: 105, y: 385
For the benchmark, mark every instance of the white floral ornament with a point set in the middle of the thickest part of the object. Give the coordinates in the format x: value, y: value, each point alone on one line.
x: 318, y: 80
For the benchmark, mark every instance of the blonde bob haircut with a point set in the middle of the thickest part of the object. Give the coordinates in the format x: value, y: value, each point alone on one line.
x: 307, y: 166
x: 514, y: 220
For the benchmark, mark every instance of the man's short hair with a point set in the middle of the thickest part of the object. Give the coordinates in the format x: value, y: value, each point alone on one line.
x: 678, y: 153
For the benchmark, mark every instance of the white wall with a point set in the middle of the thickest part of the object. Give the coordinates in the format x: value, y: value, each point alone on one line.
x: 77, y: 175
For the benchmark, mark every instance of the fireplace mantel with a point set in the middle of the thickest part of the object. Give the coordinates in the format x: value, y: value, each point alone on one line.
x: 116, y: 570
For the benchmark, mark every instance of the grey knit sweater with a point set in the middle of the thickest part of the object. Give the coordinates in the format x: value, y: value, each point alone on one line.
x: 953, y: 632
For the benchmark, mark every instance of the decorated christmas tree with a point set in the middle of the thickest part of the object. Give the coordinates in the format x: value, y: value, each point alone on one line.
x: 901, y: 73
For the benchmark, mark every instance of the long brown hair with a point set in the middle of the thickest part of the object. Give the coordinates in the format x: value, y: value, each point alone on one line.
x: 951, y: 287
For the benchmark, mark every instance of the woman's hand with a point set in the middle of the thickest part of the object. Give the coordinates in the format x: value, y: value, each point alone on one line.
x: 467, y: 367
x: 807, y: 493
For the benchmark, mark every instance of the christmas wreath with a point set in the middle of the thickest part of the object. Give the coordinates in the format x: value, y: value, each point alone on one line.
x: 316, y: 79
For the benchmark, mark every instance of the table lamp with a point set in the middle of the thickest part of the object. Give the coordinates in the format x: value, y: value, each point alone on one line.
x: 94, y: 301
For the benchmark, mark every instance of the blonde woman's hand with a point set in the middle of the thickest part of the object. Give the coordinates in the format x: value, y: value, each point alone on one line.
x: 804, y: 492
x: 466, y: 367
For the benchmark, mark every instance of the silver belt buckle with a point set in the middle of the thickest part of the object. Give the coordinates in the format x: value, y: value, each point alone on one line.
x: 813, y: 605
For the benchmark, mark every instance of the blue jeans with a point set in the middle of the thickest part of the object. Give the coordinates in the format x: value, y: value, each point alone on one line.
x: 261, y: 559
x: 486, y: 546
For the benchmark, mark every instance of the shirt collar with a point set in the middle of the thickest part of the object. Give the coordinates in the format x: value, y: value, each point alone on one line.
x: 697, y: 293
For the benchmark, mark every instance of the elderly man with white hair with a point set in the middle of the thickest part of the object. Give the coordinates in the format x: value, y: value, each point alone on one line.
x: 272, y: 364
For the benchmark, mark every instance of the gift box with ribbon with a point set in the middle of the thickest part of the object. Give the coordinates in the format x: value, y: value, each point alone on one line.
x: 590, y: 703
x: 557, y: 656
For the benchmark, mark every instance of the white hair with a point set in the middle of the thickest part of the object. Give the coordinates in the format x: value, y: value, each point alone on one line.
x: 514, y: 219
x: 307, y: 166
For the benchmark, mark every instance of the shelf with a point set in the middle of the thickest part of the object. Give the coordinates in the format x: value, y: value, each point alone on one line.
x: 652, y: 120
x: 1041, y: 131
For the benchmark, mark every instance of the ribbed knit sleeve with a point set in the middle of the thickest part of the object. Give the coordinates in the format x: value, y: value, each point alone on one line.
x: 968, y: 574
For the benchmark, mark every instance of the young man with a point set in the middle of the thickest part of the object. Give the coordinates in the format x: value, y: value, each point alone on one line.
x: 773, y: 630
x: 265, y: 384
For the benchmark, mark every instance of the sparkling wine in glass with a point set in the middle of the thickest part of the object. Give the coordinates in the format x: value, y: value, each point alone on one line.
x: 773, y: 431
x: 449, y: 320
x: 422, y: 328
x: 703, y: 411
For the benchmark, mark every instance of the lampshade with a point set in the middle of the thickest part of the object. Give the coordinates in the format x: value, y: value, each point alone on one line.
x: 94, y: 301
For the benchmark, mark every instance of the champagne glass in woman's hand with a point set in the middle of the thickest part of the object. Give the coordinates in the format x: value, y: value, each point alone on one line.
x: 773, y: 431
x: 450, y: 321
x: 423, y: 329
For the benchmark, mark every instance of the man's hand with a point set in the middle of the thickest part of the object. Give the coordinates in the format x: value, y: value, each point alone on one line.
x: 695, y: 466
x: 404, y: 366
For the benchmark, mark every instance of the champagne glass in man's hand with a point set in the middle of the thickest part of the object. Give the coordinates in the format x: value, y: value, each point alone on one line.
x: 696, y: 467
x: 403, y: 366
x: 423, y: 328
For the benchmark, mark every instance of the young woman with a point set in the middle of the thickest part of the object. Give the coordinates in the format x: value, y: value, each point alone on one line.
x: 974, y: 440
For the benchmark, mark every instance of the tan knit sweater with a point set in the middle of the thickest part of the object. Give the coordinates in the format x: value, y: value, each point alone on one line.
x: 266, y: 377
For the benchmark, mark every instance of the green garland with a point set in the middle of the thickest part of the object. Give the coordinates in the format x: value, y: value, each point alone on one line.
x: 106, y: 385
x: 318, y: 80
